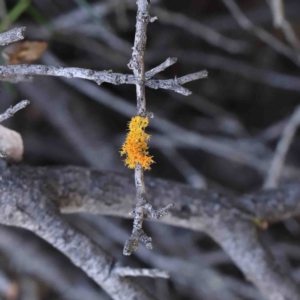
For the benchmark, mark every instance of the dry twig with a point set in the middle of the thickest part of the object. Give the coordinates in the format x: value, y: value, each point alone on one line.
x: 154, y: 273
x: 12, y: 110
x: 100, y: 76
x: 137, y: 65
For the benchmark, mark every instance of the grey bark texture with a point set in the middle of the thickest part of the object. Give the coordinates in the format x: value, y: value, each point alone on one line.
x: 11, y: 36
x: 36, y: 211
x: 30, y: 198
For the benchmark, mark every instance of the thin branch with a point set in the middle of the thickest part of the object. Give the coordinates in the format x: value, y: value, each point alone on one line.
x: 11, y: 36
x: 153, y: 273
x: 137, y: 65
x: 12, y: 110
x: 175, y: 84
x: 160, y: 68
x: 282, y: 148
x: 101, y: 76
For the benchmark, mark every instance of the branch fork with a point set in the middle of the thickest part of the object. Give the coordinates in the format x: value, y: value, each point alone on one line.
x: 138, y: 234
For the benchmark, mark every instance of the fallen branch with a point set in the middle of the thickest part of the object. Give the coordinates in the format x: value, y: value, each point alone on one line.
x: 229, y: 220
x: 40, y: 216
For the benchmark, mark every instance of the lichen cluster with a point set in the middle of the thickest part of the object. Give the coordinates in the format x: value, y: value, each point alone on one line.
x: 135, y: 146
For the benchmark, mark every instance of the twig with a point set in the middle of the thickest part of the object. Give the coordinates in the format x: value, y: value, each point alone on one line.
x: 175, y: 84
x: 166, y: 64
x: 282, y: 149
x: 127, y: 271
x: 8, y: 114
x: 137, y: 65
x: 100, y: 76
x: 11, y: 36
x: 12, y: 110
x: 194, y: 267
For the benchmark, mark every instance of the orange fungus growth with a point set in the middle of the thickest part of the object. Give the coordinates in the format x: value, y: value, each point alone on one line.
x: 135, y: 146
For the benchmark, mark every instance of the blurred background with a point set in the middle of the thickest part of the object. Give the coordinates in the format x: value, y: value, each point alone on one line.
x: 223, y: 136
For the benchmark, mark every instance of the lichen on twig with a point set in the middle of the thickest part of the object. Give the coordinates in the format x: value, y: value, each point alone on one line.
x: 135, y: 146
x: 137, y: 138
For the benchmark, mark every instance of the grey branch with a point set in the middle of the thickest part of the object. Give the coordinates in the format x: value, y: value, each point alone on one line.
x: 12, y: 110
x: 175, y: 84
x: 137, y: 65
x: 7, y: 73
x: 166, y: 64
x: 11, y: 36
x: 36, y: 211
x: 226, y: 218
x: 154, y: 273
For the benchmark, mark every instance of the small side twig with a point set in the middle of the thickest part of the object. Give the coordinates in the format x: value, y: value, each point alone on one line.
x: 153, y: 273
x: 12, y: 110
x: 166, y: 64
x: 282, y: 149
x: 11, y: 36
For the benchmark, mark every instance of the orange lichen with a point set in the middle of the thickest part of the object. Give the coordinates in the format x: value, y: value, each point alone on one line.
x: 135, y: 146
